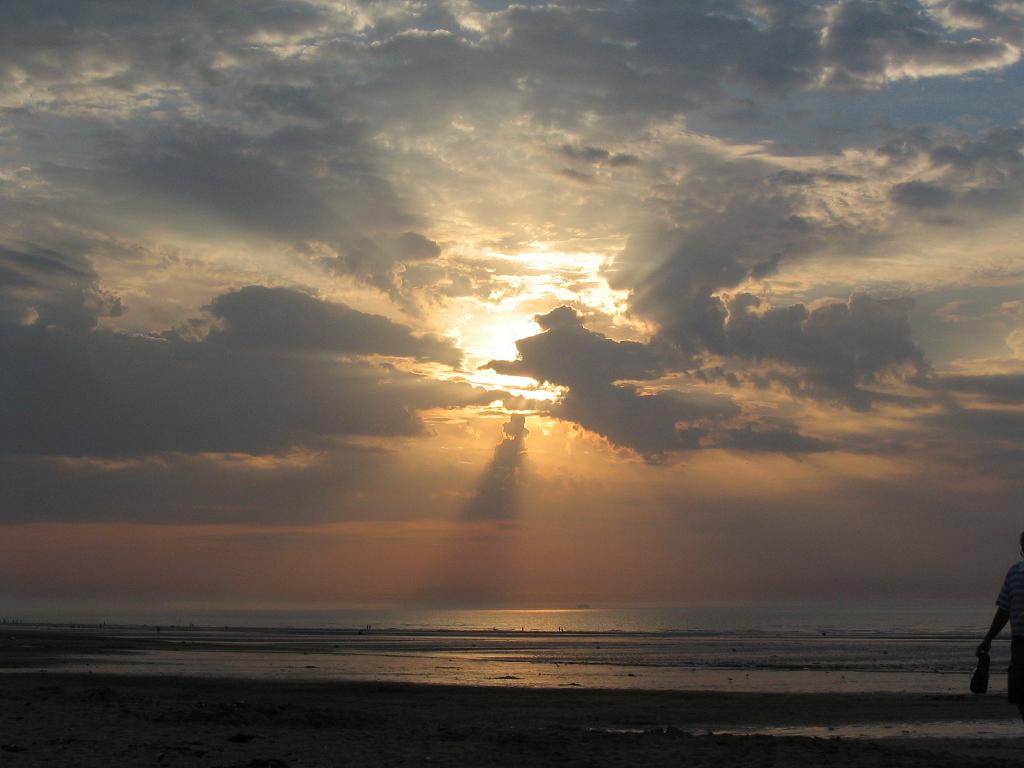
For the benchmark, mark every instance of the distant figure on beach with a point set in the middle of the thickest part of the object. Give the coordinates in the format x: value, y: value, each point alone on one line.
x: 1010, y: 607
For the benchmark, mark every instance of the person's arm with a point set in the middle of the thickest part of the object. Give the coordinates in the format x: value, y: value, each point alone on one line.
x: 998, y: 622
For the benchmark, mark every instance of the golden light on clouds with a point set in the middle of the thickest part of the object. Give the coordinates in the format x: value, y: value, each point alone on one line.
x: 509, y: 302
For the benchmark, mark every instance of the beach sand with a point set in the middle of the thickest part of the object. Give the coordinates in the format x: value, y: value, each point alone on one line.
x: 55, y: 718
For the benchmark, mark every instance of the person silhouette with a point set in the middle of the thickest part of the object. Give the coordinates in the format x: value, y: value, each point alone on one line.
x: 1010, y: 608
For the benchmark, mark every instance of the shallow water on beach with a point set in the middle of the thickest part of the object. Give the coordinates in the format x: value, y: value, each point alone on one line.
x: 735, y: 662
x: 463, y: 668
x: 923, y: 649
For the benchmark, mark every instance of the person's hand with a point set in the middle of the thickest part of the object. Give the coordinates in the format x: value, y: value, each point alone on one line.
x: 983, y: 647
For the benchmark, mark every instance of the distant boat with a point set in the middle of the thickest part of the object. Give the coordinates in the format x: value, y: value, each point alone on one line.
x: 582, y: 605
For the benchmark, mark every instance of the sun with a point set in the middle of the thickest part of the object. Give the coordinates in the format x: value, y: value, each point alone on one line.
x: 544, y: 277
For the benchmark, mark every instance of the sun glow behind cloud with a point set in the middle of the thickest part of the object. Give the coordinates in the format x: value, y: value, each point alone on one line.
x: 545, y: 278
x: 255, y: 256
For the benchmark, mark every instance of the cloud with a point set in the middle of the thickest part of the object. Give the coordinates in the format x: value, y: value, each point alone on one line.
x: 994, y: 435
x: 305, y: 59
x: 733, y: 226
x: 980, y: 174
x: 597, y: 155
x: 317, y: 125
x: 182, y: 488
x: 771, y: 438
x: 836, y: 350
x: 868, y: 42
x: 381, y: 261
x: 1013, y: 309
x: 497, y: 494
x: 576, y: 176
x: 40, y: 286
x: 293, y: 184
x: 569, y: 354
x: 1000, y: 388
x: 921, y: 194
x: 61, y: 41
x: 706, y: 285
x: 584, y: 154
x: 995, y: 17
x: 414, y: 148
x: 288, y: 320
x: 315, y: 189
x: 1015, y: 341
x: 279, y: 369
x: 652, y: 423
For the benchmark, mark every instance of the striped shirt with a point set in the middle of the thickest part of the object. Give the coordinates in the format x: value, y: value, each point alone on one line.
x: 1011, y: 597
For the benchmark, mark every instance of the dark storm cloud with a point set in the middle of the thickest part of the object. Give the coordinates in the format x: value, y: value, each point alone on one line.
x: 497, y: 495
x: 652, y: 423
x: 266, y: 377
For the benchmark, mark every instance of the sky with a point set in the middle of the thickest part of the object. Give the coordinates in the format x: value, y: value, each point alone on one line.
x: 461, y: 302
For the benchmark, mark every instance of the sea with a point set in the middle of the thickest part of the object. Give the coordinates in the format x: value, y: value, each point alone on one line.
x: 796, y: 647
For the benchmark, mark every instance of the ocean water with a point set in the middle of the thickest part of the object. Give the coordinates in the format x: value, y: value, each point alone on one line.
x: 924, y: 646
x: 945, y: 617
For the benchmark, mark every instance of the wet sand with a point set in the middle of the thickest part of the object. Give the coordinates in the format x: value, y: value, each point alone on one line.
x: 52, y: 719
x: 57, y: 718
